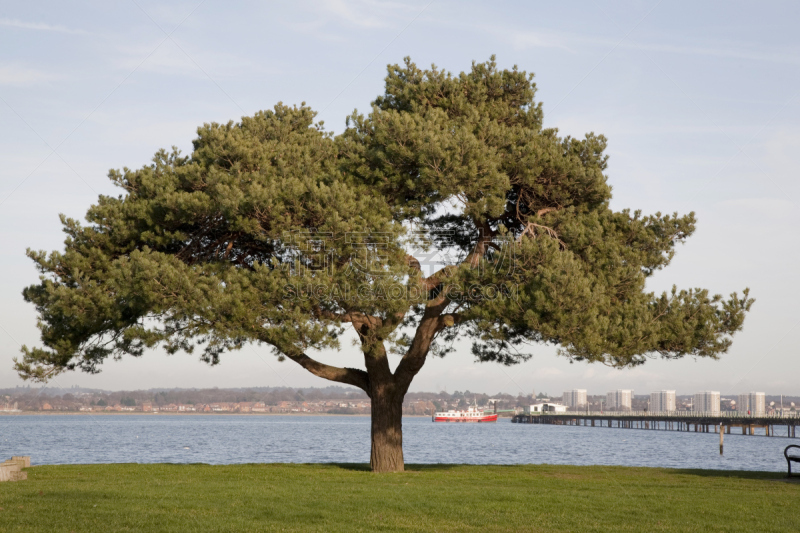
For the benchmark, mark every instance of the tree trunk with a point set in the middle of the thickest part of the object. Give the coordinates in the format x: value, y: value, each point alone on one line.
x: 387, y: 429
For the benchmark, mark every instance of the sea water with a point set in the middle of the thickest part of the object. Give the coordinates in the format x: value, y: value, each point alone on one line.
x: 229, y: 439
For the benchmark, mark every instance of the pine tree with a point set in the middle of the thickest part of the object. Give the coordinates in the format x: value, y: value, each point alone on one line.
x: 276, y: 232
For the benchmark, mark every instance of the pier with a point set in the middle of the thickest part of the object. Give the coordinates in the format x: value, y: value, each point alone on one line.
x: 672, y: 421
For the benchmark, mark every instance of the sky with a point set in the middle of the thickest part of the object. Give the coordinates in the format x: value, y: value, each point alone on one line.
x: 700, y: 103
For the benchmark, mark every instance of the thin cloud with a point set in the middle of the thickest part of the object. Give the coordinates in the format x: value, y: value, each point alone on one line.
x: 353, y: 16
x: 533, y: 39
x: 771, y: 56
x: 174, y: 60
x: 315, y: 29
x: 39, y: 26
x: 17, y: 75
x: 522, y: 40
x: 366, y: 13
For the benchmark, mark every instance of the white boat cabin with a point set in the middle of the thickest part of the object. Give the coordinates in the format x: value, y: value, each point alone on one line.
x: 471, y: 412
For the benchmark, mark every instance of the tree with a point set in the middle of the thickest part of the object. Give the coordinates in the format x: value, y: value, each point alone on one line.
x: 274, y: 231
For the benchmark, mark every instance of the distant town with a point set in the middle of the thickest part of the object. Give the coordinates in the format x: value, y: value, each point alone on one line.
x: 666, y: 401
x: 351, y: 401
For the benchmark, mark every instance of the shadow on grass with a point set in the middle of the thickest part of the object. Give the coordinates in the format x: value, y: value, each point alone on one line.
x: 364, y: 467
x: 742, y: 474
x: 434, y: 467
x: 545, y: 470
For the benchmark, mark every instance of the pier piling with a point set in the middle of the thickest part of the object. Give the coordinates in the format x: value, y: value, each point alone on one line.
x: 672, y: 421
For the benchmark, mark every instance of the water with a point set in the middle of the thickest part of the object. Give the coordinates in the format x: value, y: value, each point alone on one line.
x: 60, y: 439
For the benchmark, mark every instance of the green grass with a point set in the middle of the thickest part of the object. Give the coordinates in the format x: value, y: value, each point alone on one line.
x: 278, y: 497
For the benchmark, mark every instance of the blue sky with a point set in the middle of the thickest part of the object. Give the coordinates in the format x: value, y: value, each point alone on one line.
x: 700, y: 102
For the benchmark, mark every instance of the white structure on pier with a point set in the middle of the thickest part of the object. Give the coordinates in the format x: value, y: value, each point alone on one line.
x: 706, y: 402
x: 544, y: 408
x: 574, y: 398
x: 619, y: 399
x: 662, y: 401
x: 753, y: 403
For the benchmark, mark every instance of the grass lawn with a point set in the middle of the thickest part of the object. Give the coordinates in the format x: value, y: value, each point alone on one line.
x: 279, y: 497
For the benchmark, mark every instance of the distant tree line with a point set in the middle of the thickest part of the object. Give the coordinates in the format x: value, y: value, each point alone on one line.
x: 33, y: 398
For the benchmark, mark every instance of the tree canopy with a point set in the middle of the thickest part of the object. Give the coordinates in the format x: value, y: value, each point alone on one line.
x: 448, y: 211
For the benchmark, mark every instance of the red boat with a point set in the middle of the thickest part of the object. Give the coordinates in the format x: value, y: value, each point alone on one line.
x: 470, y: 415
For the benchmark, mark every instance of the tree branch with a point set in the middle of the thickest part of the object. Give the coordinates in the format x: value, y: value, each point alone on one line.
x: 530, y: 228
x: 433, y: 321
x: 545, y: 210
x: 414, y: 263
x: 486, y: 234
x: 473, y: 259
x: 350, y: 376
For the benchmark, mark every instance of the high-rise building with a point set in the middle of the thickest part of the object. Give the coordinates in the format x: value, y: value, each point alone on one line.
x: 753, y: 402
x: 574, y: 398
x: 619, y: 399
x: 662, y: 401
x: 706, y: 402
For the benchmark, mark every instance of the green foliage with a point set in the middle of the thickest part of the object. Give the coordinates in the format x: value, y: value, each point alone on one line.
x: 347, y: 498
x: 274, y: 231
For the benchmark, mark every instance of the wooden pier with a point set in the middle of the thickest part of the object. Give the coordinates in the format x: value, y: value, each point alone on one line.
x: 675, y: 421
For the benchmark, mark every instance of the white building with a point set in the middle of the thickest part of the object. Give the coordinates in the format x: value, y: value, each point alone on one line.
x: 706, y: 402
x: 753, y: 403
x: 619, y: 399
x: 545, y: 408
x: 662, y: 401
x: 574, y: 398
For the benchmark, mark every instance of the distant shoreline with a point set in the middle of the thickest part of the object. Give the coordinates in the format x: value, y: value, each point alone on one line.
x: 183, y: 413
